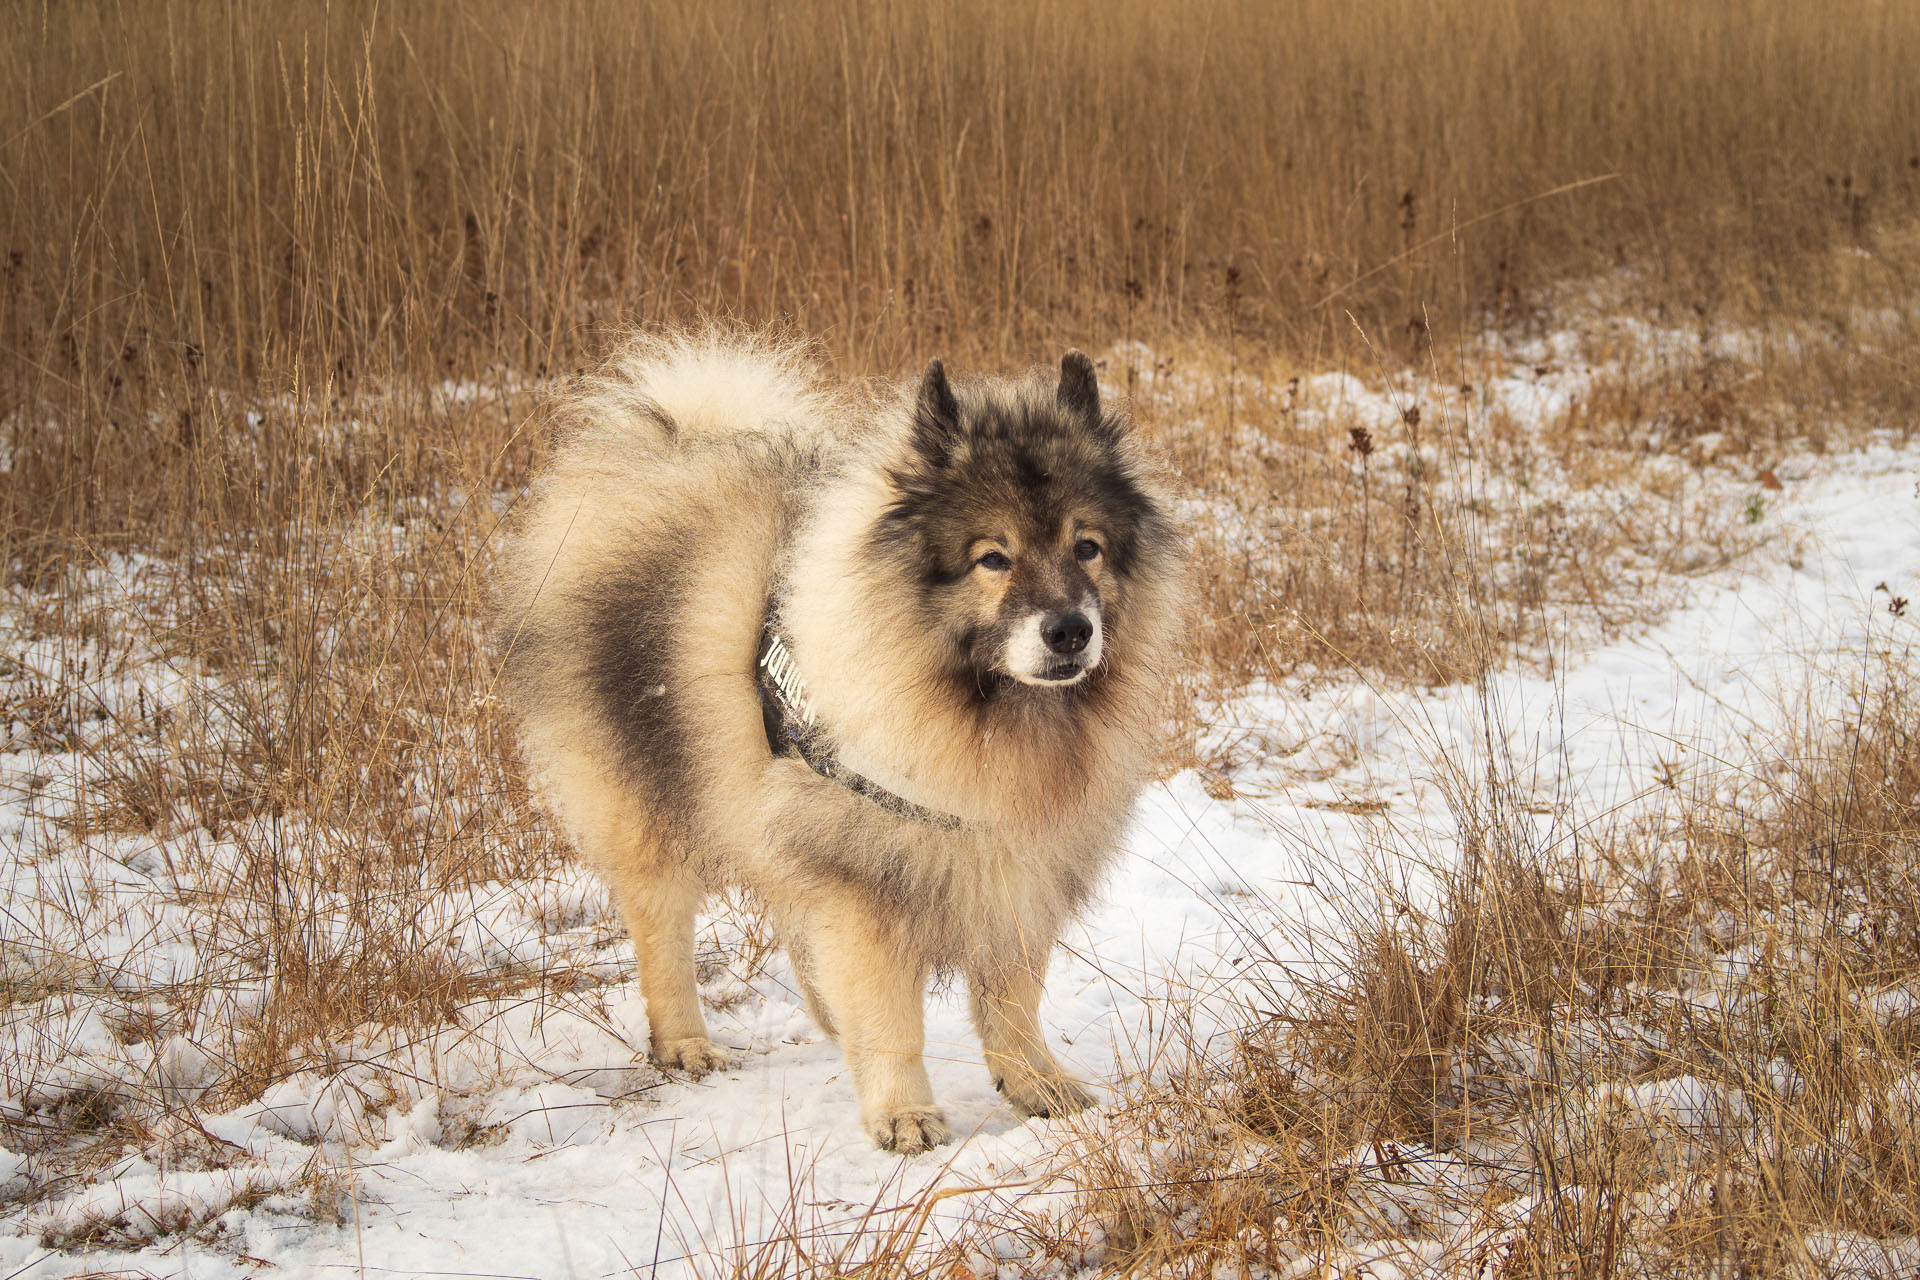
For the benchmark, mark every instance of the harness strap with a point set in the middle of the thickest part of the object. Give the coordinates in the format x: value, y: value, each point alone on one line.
x: 793, y: 728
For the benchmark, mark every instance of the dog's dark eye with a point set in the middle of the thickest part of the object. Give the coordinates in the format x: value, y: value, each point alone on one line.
x: 1085, y: 549
x: 995, y: 560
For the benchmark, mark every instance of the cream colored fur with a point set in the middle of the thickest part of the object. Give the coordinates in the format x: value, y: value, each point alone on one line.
x: 721, y: 465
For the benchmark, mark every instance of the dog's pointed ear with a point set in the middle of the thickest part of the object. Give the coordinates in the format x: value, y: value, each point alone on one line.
x: 936, y: 415
x: 1079, y: 388
x: 1079, y: 395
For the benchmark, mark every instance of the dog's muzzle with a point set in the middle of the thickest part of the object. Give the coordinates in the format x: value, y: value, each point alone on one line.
x: 1055, y: 648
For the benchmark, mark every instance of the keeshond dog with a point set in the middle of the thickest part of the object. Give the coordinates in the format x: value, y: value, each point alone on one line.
x: 895, y: 667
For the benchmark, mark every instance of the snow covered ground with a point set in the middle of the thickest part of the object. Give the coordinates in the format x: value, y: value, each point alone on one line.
x: 529, y: 1139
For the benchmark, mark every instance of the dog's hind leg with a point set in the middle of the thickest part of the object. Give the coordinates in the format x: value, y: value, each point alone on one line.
x: 803, y: 973
x: 659, y: 910
x: 875, y: 995
x: 1006, y: 1010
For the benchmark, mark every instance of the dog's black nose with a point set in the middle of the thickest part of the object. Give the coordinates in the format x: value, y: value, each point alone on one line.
x: 1066, y: 632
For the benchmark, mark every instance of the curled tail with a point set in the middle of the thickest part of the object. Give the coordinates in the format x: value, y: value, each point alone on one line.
x: 714, y: 382
x: 648, y: 453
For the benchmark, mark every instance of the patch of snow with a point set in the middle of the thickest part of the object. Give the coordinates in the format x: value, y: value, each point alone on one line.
x: 552, y: 1115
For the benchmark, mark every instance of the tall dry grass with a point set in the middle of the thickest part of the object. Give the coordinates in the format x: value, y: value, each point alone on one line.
x: 307, y: 200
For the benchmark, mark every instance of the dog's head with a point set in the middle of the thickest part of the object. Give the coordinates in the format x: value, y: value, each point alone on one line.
x: 1020, y: 517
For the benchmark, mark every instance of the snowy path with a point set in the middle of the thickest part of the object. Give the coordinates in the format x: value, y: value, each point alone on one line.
x: 771, y: 1147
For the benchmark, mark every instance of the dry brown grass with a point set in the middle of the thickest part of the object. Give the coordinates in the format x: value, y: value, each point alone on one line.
x: 1686, y: 1049
x: 283, y: 285
x: 220, y: 210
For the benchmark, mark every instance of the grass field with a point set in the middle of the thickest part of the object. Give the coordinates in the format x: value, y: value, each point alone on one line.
x: 284, y: 289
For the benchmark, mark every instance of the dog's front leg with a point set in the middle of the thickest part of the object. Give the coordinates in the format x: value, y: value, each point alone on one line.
x: 1006, y: 1011
x: 876, y: 995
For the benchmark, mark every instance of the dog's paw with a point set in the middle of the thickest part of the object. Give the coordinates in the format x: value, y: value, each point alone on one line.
x: 696, y: 1055
x: 1046, y: 1096
x: 909, y: 1130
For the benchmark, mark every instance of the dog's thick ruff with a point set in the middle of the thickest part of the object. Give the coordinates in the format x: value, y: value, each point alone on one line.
x: 980, y: 585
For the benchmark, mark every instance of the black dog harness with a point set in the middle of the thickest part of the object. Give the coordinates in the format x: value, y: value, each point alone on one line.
x: 794, y: 729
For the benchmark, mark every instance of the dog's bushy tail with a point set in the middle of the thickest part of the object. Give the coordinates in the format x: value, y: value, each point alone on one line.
x: 659, y: 390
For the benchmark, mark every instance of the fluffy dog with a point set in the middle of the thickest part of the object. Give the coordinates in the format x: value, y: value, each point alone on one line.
x: 896, y: 668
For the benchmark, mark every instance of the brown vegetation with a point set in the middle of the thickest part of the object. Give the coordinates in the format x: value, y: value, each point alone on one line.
x: 278, y: 208
x: 1685, y: 1049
